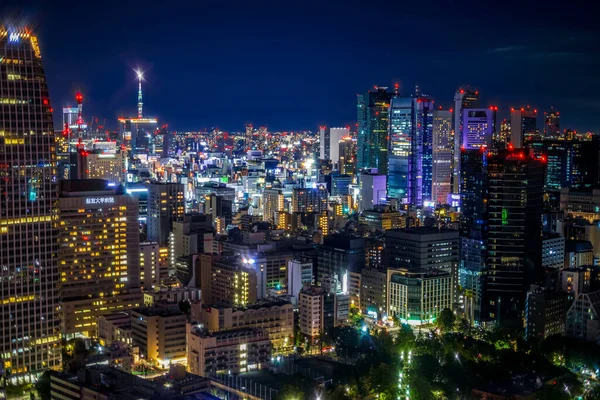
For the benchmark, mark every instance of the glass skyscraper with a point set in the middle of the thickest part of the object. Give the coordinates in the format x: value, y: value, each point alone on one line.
x: 462, y: 99
x: 400, y: 150
x: 30, y: 338
x: 373, y: 120
x: 422, y: 151
x: 441, y: 156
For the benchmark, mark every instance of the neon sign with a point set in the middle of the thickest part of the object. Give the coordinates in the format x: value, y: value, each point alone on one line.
x: 100, y: 200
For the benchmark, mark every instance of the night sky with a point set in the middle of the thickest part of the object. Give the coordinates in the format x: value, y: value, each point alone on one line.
x: 298, y: 65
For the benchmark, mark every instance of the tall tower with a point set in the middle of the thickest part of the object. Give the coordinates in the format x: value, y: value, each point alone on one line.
x: 373, y: 118
x: 462, y: 99
x: 140, y: 76
x: 30, y: 337
x: 523, y: 127
x: 551, y: 124
x: 441, y: 173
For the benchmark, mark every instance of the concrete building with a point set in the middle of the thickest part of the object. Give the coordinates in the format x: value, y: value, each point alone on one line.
x: 545, y: 313
x: 165, y: 206
x: 381, y: 218
x: 275, y: 317
x: 101, y: 165
x: 115, y: 327
x: 192, y: 235
x: 161, y: 335
x: 354, y: 288
x: 575, y: 281
x: 300, y: 274
x: 584, y: 204
x: 578, y: 253
x: 98, y: 254
x: 311, y: 305
x: 340, y: 253
x: 583, y: 318
x: 273, y: 201
x: 373, y: 190
x: 314, y: 200
x: 169, y: 294
x: 234, y: 351
x: 154, y: 264
x: 373, y: 292
x: 417, y: 297
x: 226, y: 280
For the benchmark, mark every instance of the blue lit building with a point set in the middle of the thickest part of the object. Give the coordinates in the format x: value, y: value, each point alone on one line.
x: 373, y: 120
x: 400, y: 150
x: 422, y: 168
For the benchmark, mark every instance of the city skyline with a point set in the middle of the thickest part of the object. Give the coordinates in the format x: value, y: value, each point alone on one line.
x: 268, y: 62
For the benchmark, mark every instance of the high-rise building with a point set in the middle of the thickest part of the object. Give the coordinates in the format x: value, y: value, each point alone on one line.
x: 347, y: 150
x: 98, y: 254
x: 523, y: 126
x: 372, y: 190
x: 373, y: 119
x: 299, y: 274
x: 479, y: 126
x: 339, y: 253
x: 501, y: 137
x: 100, y: 165
x: 272, y: 201
x: 30, y: 339
x: 311, y: 309
x: 400, y: 147
x: 154, y: 265
x: 514, y: 247
x: 545, y: 313
x: 330, y: 143
x: 421, y: 161
x: 441, y: 174
x: 551, y: 124
x: 462, y: 99
x: 227, y: 280
x: 165, y: 205
x: 313, y: 200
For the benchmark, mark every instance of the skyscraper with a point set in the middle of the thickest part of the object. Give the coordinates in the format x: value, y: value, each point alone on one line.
x: 551, y: 124
x: 441, y: 174
x: 165, y: 205
x: 515, y: 233
x: 421, y: 168
x: 400, y: 150
x: 462, y: 99
x: 523, y: 126
x: 30, y: 338
x: 373, y: 119
x: 330, y: 143
x: 479, y: 125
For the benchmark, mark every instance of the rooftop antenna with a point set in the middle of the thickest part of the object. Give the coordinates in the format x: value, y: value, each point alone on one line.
x: 140, y: 76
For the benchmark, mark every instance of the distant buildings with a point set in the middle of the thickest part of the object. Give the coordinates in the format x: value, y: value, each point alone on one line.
x: 523, y: 126
x: 373, y: 118
x: 310, y: 200
x: 165, y: 206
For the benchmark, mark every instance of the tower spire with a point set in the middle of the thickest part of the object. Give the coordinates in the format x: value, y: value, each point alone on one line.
x: 140, y: 76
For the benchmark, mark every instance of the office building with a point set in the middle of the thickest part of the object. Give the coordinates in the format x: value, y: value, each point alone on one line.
x: 545, y: 313
x: 372, y: 190
x: 417, y: 297
x: 581, y: 204
x: 441, y: 173
x: 330, y: 143
x: 553, y: 251
x: 98, y: 254
x: 574, y: 281
x: 272, y: 201
x: 373, y: 291
x: 154, y: 265
x: 400, y: 150
x: 274, y: 317
x: 347, y: 164
x: 165, y: 206
x: 311, y: 305
x: 523, y: 127
x: 114, y: 327
x: 514, y: 247
x: 583, y: 321
x: 220, y: 210
x: 339, y: 253
x: 170, y: 295
x: 462, y: 99
x: 160, y: 334
x: 578, y: 253
x: 551, y: 124
x: 192, y: 235
x: 381, y: 218
x: 218, y: 189
x: 315, y: 200
x: 227, y: 280
x: 340, y: 184
x: 102, y: 165
x: 420, y: 177
x: 373, y: 120
x: 30, y: 342
x: 502, y: 136
x: 478, y: 128
x: 235, y: 351
x: 300, y: 274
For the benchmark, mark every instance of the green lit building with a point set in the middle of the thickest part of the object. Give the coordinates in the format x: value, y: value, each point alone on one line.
x: 373, y: 119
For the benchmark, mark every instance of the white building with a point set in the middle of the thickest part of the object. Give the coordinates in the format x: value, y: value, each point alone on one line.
x: 300, y: 273
x: 311, y: 305
x: 372, y: 189
x: 329, y: 142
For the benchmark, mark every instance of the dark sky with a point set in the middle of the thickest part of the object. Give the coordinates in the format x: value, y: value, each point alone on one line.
x: 295, y: 65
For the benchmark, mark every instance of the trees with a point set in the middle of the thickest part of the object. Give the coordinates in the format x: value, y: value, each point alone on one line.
x: 445, y: 320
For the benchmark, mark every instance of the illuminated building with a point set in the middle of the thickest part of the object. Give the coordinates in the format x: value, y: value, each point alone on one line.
x: 523, y: 126
x: 421, y: 159
x: 462, y: 99
x: 160, y: 334
x: 165, y: 205
x: 154, y: 265
x: 347, y: 156
x: 227, y: 280
x: 501, y: 137
x: 514, y: 248
x: 115, y: 327
x: 584, y: 204
x: 479, y: 126
x: 100, y: 165
x: 441, y: 174
x: 30, y: 338
x: 373, y: 119
x: 233, y: 351
x: 374, y: 247
x: 340, y: 184
x: 275, y: 317
x: 330, y: 143
x: 311, y: 306
x: 192, y: 235
x: 553, y: 251
x: 400, y: 147
x: 300, y: 273
x: 373, y: 189
x: 221, y: 211
x: 578, y: 253
x: 545, y: 313
x: 315, y: 200
x: 381, y: 218
x: 272, y: 201
x: 551, y: 124
x: 418, y: 296
x: 98, y: 254
x: 373, y: 291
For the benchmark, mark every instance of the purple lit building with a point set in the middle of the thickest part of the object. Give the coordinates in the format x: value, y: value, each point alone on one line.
x: 478, y: 126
